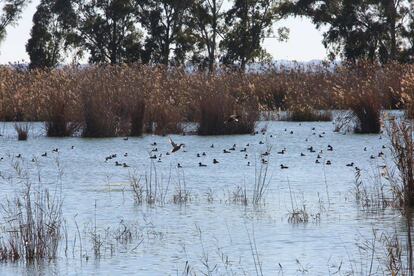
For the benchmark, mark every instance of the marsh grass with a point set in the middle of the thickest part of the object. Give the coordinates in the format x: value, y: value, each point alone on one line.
x: 33, y: 223
x: 306, y: 114
x: 402, y: 149
x: 22, y: 129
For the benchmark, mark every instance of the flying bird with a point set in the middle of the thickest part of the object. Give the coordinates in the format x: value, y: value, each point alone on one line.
x: 175, y: 146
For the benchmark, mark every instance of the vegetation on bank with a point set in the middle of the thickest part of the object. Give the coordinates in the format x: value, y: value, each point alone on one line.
x: 127, y: 100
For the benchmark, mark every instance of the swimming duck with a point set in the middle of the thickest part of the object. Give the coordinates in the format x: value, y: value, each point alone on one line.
x: 317, y: 161
x: 154, y: 144
x: 212, y: 146
x: 328, y: 162
x: 283, y: 166
x: 117, y: 163
x: 226, y: 151
x: 126, y: 139
x: 302, y: 154
x: 201, y: 164
x: 204, y: 154
x: 330, y: 148
x: 215, y: 161
x: 350, y: 164
x: 282, y: 151
x: 179, y: 165
x: 125, y: 165
x: 44, y: 154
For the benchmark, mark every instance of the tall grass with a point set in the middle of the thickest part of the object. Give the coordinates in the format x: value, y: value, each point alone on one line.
x: 33, y: 226
x: 115, y: 100
x: 402, y: 149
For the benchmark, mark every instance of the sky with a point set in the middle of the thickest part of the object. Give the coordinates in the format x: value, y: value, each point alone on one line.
x: 304, y: 44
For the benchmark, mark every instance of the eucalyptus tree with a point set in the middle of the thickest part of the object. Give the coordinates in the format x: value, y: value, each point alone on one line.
x: 249, y: 22
x: 52, y: 22
x: 10, y: 13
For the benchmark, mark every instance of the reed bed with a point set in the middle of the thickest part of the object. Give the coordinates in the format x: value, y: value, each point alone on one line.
x: 128, y: 100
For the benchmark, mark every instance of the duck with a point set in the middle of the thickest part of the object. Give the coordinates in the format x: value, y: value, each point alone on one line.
x: 264, y: 161
x: 215, y: 161
x: 372, y: 157
x: 265, y: 153
x: 179, y: 165
x: 176, y: 147
x: 72, y: 147
x: 117, y: 164
x: 125, y: 165
x: 44, y: 154
x: 317, y: 161
x: 350, y: 164
x: 380, y: 154
x: 246, y: 156
x: 291, y: 132
x: 283, y: 167
x: 125, y: 138
x: 318, y: 157
x: 330, y: 148
x: 243, y: 150
x: 204, y: 154
x: 226, y: 151
x: 328, y: 162
x: 154, y: 150
x: 201, y: 164
x: 153, y: 157
x: 55, y: 150
x: 233, y: 118
x: 302, y: 154
x: 198, y: 155
x: 282, y: 151
x: 212, y: 146
x: 261, y: 143
x: 19, y: 156
x: 365, y: 148
x: 126, y: 154
x: 248, y: 164
x: 154, y: 144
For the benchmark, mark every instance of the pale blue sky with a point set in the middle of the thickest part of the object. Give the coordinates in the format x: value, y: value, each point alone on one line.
x: 304, y: 42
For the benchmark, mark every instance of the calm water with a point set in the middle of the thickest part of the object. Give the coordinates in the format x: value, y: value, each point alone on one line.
x: 172, y: 234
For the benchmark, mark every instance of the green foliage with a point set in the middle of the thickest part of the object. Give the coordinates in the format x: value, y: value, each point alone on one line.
x: 249, y: 21
x: 52, y: 21
x: 167, y: 40
x: 10, y: 12
x: 374, y: 30
x: 107, y: 30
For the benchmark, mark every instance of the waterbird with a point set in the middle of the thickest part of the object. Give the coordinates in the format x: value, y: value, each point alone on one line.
x: 372, y: 157
x: 55, y: 150
x: 282, y: 151
x: 226, y: 151
x: 318, y: 157
x: 350, y: 164
x: 317, y: 161
x: 179, y: 165
x: 198, y: 155
x: 291, y: 132
x: 125, y: 138
x: 204, y: 154
x: 264, y: 161
x: 330, y: 148
x: 44, y: 154
x: 328, y: 162
x: 125, y: 165
x: 72, y: 147
x: 243, y: 150
x: 302, y: 154
x: 126, y: 154
x: 154, y: 144
x: 154, y: 150
x: 117, y: 164
x: 175, y: 146
x: 283, y: 166
x: 215, y: 161
x: 380, y: 154
x: 153, y: 157
x: 265, y: 153
x: 212, y: 146
x: 18, y: 156
x: 233, y: 118
x: 248, y: 164
x: 261, y: 143
x: 201, y: 164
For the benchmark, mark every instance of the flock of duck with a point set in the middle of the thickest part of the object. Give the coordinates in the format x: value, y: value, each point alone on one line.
x: 264, y: 154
